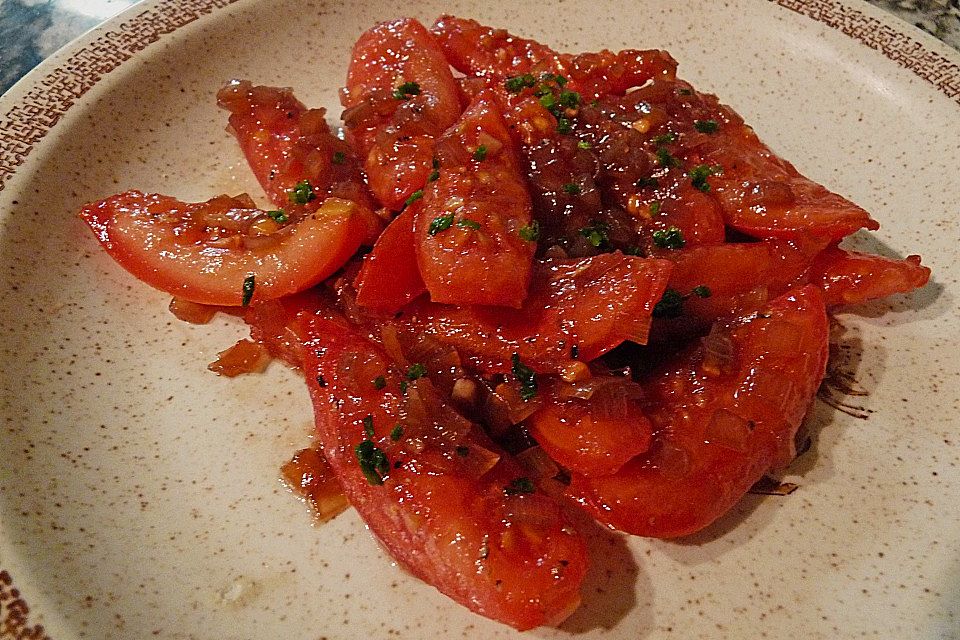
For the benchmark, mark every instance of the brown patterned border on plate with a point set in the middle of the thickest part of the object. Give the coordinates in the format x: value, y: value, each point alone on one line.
x: 900, y: 47
x: 15, y: 614
x: 23, y: 126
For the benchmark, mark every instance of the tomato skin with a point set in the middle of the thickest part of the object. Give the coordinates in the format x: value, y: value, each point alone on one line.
x: 513, y: 558
x: 478, y: 50
x: 712, y: 440
x: 479, y: 185
x: 740, y: 277
x: 202, y: 252
x: 390, y: 277
x: 286, y: 143
x: 395, y: 137
x: 849, y: 277
x: 594, y: 437
x: 592, y: 303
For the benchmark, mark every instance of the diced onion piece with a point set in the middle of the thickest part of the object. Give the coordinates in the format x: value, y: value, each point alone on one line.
x: 309, y: 474
x: 245, y: 356
x: 192, y: 312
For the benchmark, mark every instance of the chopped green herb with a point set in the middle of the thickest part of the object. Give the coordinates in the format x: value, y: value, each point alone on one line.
x: 685, y: 92
x: 415, y: 371
x: 321, y: 381
x: 560, y: 80
x: 379, y: 382
x: 655, y: 208
x: 463, y: 451
x: 519, y: 486
x: 339, y: 157
x: 416, y: 195
x: 575, y: 352
x: 583, y: 144
x: 569, y: 99
x: 665, y: 159
x: 665, y: 138
x: 525, y: 376
x: 467, y: 223
x: 302, y: 193
x: 406, y: 91
x: 516, y: 84
x: 670, y: 305
x: 481, y: 153
x: 434, y: 176
x: 596, y: 235
x: 373, y: 462
x: 549, y: 101
x: 531, y: 232
x: 702, y: 291
x: 671, y: 238
x: 564, y: 126
x: 440, y: 223
x: 368, y: 426
x: 706, y: 126
x: 403, y: 387
x: 396, y: 433
x: 633, y: 250
x: 571, y: 188
x: 278, y: 215
x: 249, y: 284
x: 700, y: 173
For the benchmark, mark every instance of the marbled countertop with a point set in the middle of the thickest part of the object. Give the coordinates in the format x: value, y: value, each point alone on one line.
x: 31, y: 30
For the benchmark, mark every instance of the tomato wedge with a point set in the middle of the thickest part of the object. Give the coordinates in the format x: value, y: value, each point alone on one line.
x: 224, y: 251
x: 577, y: 309
x: 469, y: 226
x: 849, y: 277
x: 390, y: 277
x: 592, y: 428
x: 723, y: 415
x: 287, y: 144
x: 478, y: 50
x: 444, y: 501
x: 400, y: 95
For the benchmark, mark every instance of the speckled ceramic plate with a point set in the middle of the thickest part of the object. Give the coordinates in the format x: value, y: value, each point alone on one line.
x: 139, y: 494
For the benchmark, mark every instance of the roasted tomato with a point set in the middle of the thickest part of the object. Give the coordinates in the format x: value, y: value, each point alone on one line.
x: 592, y: 427
x: 849, y: 277
x: 577, y: 310
x: 294, y: 155
x: 390, y: 277
x: 400, y: 96
x: 472, y: 227
x: 445, y: 502
x: 723, y: 414
x: 223, y: 251
x: 484, y: 51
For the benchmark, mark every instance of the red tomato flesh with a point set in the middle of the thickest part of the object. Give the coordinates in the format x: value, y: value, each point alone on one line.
x: 723, y: 414
x: 390, y: 277
x: 594, y: 434
x: 468, y: 226
x: 482, y: 535
x: 205, y: 252
x: 849, y: 277
x: 592, y: 304
x: 400, y: 95
x: 285, y: 143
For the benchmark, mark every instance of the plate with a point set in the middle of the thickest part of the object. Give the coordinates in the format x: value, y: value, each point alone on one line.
x: 139, y: 494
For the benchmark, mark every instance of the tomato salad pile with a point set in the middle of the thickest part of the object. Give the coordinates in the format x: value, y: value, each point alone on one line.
x: 542, y: 283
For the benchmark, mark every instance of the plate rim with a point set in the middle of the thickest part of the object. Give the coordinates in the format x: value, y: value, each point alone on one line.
x: 34, y: 106
x: 31, y: 108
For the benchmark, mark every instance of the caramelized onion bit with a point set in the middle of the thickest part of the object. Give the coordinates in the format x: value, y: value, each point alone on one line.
x: 192, y: 312
x: 309, y: 475
x: 245, y: 356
